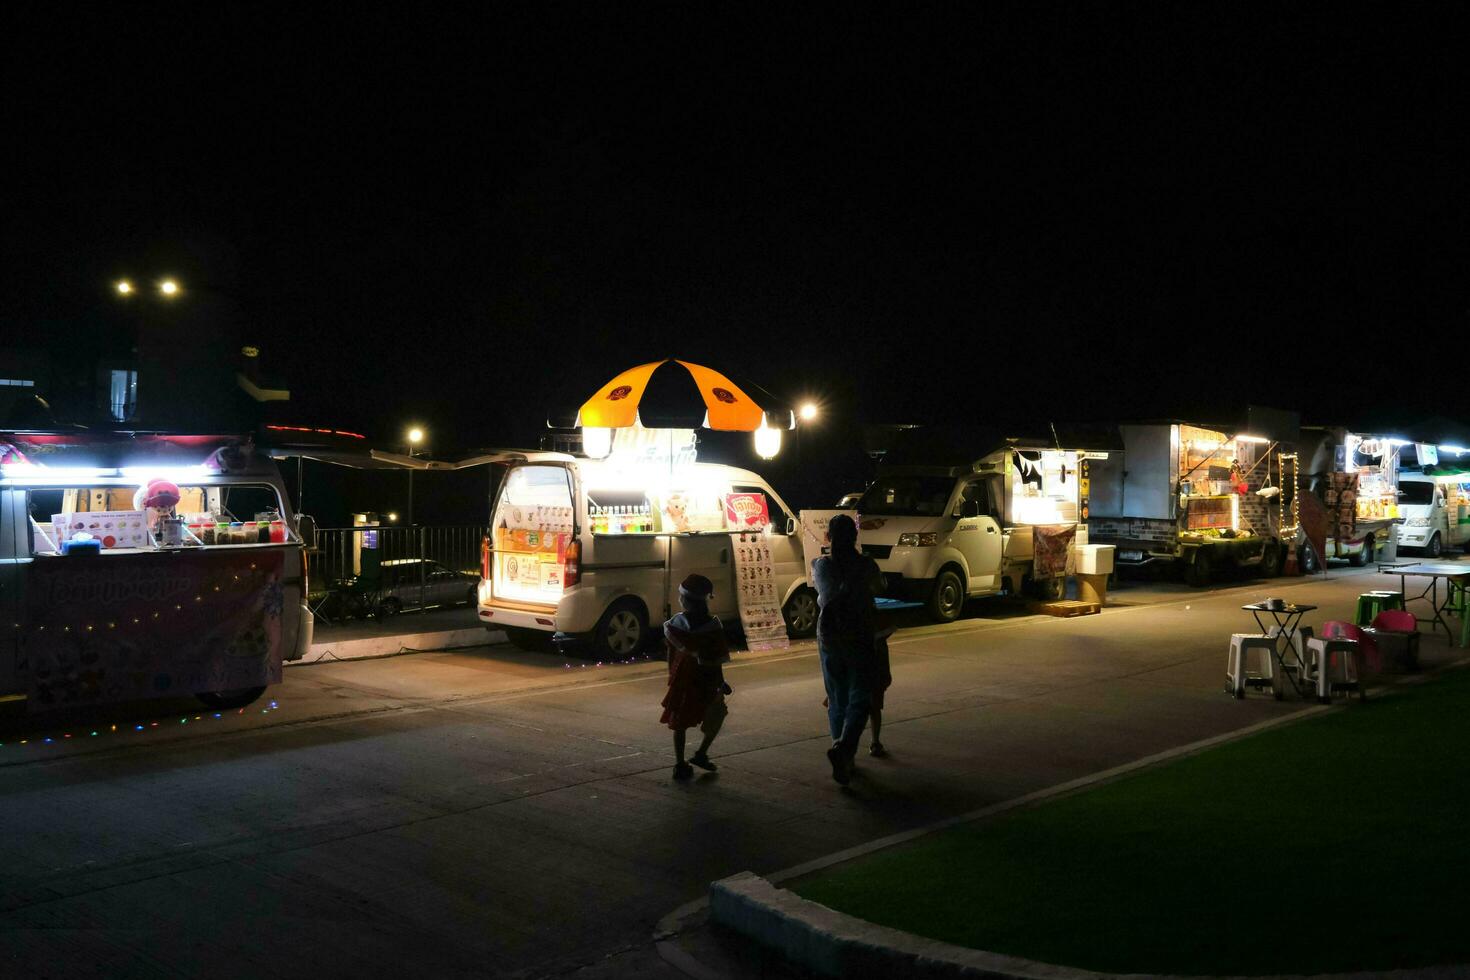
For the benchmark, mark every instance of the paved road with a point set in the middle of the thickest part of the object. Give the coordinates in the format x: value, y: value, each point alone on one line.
x: 496, y: 812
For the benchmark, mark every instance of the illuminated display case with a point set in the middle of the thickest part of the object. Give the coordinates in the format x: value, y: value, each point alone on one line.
x: 1044, y: 487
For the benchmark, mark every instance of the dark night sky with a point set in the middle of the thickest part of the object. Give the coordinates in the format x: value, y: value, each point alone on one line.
x: 1088, y: 211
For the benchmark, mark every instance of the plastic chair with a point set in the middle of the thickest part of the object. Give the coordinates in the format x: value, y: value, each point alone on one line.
x: 1237, y: 677
x: 1336, y: 660
x: 1396, y: 634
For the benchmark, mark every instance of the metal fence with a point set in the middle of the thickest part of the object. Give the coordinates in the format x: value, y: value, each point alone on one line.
x: 415, y: 568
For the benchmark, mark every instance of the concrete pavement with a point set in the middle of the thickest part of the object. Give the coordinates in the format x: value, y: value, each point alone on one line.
x: 499, y: 812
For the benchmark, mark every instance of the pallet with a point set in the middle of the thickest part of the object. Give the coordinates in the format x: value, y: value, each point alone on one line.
x: 1067, y: 608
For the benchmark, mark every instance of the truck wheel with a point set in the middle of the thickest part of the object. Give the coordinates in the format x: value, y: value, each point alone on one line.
x: 237, y: 698
x: 621, y: 632
x: 1435, y: 548
x: 389, y: 608
x: 1307, y: 560
x: 800, y: 613
x: 947, y: 600
x: 536, y: 641
x: 1362, y: 557
x: 1201, y: 571
x: 1271, y: 560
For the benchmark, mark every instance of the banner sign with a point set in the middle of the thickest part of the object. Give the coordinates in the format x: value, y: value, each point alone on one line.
x: 755, y: 584
x: 1052, y: 554
x: 169, y: 624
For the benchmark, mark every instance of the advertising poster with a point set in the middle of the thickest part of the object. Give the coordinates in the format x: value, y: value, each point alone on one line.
x: 746, y: 511
x: 755, y: 583
x: 102, y: 628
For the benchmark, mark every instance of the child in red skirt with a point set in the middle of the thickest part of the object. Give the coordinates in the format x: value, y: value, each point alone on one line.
x: 697, y: 651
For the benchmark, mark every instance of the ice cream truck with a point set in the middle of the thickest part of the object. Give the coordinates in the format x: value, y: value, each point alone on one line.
x: 955, y: 514
x: 145, y: 565
x: 588, y: 551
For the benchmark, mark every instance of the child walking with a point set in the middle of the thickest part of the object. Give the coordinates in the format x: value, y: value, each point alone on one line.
x: 697, y: 652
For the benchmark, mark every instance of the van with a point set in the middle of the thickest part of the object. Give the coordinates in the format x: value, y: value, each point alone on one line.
x: 115, y: 602
x: 1436, y: 512
x: 592, y: 551
x: 948, y: 524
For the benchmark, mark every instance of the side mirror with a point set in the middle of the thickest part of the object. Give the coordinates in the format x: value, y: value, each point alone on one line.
x: 306, y: 530
x: 790, y: 525
x: 967, y: 508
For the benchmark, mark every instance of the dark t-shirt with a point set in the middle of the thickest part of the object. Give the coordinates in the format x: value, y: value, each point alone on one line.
x: 845, y: 590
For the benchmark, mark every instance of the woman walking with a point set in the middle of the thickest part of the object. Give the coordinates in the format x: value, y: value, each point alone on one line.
x: 846, y: 581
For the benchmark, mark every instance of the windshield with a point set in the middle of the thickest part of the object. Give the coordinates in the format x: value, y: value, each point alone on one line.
x: 906, y: 496
x: 1416, y: 492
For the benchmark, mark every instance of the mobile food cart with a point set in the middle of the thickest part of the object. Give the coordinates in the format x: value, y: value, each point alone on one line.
x: 1355, y: 477
x: 144, y: 565
x: 956, y: 514
x: 1183, y: 495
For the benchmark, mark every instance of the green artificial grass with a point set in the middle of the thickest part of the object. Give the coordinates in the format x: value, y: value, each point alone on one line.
x: 1337, y: 843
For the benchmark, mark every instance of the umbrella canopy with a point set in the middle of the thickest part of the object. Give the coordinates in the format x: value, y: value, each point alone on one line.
x: 727, y: 407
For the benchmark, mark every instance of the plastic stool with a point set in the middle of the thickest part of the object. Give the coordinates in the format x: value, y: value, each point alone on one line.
x: 1370, y: 604
x: 1346, y: 665
x: 1237, y: 679
x: 1299, y: 638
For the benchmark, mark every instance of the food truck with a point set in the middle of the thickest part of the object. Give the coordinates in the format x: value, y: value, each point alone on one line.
x: 952, y: 514
x: 145, y: 565
x: 1190, y: 497
x: 1435, y: 507
x: 1355, y: 476
x: 593, y: 550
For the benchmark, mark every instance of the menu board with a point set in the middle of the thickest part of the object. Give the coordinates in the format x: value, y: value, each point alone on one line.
x: 756, y: 595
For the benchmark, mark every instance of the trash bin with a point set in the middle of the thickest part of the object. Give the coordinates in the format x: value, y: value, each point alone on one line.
x: 1094, y: 565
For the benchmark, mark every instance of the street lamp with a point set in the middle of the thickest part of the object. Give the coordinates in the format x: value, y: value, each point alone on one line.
x: 123, y: 287
x: 808, y: 411
x: 169, y: 287
x: 415, y: 436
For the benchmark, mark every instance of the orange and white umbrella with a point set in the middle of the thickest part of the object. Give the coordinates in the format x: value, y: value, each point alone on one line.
x: 727, y: 408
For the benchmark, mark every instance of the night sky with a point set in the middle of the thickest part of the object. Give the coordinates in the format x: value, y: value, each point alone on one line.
x: 470, y: 218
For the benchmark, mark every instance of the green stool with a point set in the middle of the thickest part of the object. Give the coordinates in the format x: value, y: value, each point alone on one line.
x: 1458, y: 604
x: 1370, y: 604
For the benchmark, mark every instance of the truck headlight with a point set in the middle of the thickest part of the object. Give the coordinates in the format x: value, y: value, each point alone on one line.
x: 926, y: 540
x: 1418, y: 522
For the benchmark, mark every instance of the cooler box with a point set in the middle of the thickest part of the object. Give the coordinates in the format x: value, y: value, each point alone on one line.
x: 1095, y: 559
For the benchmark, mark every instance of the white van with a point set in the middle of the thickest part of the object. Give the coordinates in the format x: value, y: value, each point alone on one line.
x: 113, y: 603
x: 594, y: 550
x: 945, y: 533
x: 1436, y: 512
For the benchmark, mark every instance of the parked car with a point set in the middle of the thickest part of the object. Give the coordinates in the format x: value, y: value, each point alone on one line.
x: 399, y: 588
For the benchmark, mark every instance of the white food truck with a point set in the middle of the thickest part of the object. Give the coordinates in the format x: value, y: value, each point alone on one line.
x: 145, y: 565
x: 1436, y: 511
x: 593, y: 550
x: 951, y: 516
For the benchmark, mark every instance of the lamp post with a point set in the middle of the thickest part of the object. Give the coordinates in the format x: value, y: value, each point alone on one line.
x: 415, y: 436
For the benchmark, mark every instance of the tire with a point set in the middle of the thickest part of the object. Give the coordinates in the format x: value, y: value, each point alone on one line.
x: 947, y: 600
x: 1435, y: 547
x: 1365, y: 556
x: 800, y: 613
x: 535, y: 641
x: 1308, y: 561
x: 238, y: 698
x: 1200, y: 572
x: 472, y: 598
x: 389, y: 608
x: 622, y: 631
x: 1270, y: 566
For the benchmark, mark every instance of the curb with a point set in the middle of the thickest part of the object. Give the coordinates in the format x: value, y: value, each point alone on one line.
x: 373, y: 647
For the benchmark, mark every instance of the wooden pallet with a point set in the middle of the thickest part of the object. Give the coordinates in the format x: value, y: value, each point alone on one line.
x: 1067, y: 608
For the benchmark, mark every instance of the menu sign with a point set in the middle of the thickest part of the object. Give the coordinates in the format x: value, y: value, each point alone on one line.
x: 756, y: 595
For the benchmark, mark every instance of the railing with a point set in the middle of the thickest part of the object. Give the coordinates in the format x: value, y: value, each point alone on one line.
x: 409, y: 574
